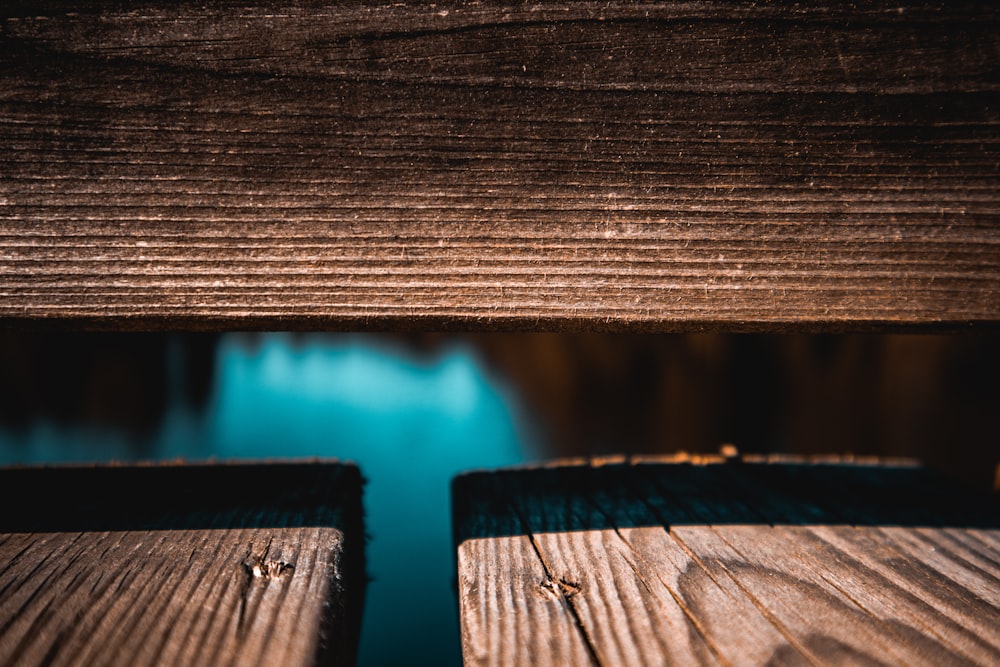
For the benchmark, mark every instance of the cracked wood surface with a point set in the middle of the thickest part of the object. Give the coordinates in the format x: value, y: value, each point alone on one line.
x: 554, y: 165
x: 647, y: 562
x: 193, y: 565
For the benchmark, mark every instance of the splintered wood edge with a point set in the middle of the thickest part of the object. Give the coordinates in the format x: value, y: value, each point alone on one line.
x: 472, y: 321
x: 727, y: 454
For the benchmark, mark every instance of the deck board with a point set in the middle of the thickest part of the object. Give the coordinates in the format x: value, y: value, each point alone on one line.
x: 196, y: 565
x: 733, y: 563
x: 734, y: 166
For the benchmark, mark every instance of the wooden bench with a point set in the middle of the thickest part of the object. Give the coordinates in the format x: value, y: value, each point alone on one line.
x: 557, y: 166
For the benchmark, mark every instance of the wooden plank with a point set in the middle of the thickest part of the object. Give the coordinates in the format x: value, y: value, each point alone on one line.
x: 704, y: 562
x: 209, y: 565
x: 553, y: 165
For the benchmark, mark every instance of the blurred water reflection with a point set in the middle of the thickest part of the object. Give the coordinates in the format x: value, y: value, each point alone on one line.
x: 410, y: 422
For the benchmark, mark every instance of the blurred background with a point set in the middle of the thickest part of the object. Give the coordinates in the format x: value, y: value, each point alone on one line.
x: 413, y: 411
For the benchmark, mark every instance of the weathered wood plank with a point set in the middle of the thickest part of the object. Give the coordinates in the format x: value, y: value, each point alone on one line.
x: 646, y: 562
x: 210, y: 565
x: 622, y: 165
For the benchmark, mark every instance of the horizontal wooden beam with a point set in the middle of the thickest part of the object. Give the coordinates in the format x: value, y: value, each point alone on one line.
x: 661, y: 562
x: 200, y: 565
x: 554, y: 165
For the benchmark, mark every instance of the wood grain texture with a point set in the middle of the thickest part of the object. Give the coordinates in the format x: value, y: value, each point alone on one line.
x: 200, y: 565
x: 785, y: 562
x: 480, y: 165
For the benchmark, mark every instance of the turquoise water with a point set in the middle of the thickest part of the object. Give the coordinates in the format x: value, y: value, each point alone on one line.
x: 410, y: 422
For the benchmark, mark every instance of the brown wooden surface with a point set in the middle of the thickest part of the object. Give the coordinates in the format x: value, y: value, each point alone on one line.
x: 622, y: 165
x: 733, y: 563
x: 192, y: 565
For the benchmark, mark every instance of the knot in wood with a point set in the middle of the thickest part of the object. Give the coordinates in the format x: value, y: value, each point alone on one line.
x: 268, y: 569
x: 560, y: 587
